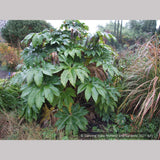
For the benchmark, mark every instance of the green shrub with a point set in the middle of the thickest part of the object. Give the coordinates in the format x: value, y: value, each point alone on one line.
x: 66, y: 69
x: 15, y: 30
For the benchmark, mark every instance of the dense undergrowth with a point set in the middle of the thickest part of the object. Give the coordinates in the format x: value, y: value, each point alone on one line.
x: 117, y: 126
x: 123, y: 128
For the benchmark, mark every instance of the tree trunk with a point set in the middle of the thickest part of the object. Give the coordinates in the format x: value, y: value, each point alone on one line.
x: 121, y: 31
x: 118, y: 31
x: 115, y: 28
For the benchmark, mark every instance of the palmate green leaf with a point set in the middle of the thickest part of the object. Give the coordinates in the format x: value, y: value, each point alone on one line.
x: 116, y: 71
x: 30, y: 76
x: 78, y: 123
x: 27, y: 38
x: 26, y: 91
x: 117, y: 93
x: 34, y: 113
x: 111, y: 69
x: 112, y: 37
x: 81, y: 123
x: 55, y: 90
x: 78, y: 53
x: 48, y: 94
x: 79, y: 111
x: 94, y: 94
x: 60, y: 103
x: 65, y: 77
x: 47, y: 37
x: 40, y: 39
x: 54, y: 42
x: 73, y: 52
x: 70, y: 127
x: 35, y: 109
x: 38, y: 77
x: 88, y: 92
x: 81, y: 88
x: 70, y: 91
x: 98, y: 63
x: 56, y: 69
x: 84, y: 70
x: 101, y: 90
x: 47, y: 72
x: 49, y: 69
x: 61, y: 119
x: 113, y: 96
x: 68, y: 100
x: 62, y: 122
x: 65, y: 98
x: 28, y: 113
x: 81, y: 74
x: 35, y: 40
x: 111, y: 72
x: 72, y: 121
x: 39, y: 100
x: 66, y: 53
x: 93, y: 88
x: 31, y: 97
x: 72, y: 76
x: 108, y: 103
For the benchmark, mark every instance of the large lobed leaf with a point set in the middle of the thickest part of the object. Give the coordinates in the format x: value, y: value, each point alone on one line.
x: 71, y: 73
x: 73, y: 121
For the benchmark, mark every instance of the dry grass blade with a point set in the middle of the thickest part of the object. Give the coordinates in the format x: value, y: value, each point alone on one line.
x: 143, y: 82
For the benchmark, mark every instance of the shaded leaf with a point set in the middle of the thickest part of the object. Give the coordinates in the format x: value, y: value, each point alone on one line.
x: 94, y: 94
x: 88, y: 92
x: 38, y: 78
x: 48, y: 94
x: 64, y: 77
x: 39, y: 99
x: 30, y: 76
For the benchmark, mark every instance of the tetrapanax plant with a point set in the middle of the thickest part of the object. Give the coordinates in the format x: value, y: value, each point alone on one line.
x: 62, y: 66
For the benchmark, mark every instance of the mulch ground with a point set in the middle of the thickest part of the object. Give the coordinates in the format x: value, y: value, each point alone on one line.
x: 4, y: 126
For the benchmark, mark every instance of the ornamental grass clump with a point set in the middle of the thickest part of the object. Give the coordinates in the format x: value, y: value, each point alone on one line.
x: 143, y: 82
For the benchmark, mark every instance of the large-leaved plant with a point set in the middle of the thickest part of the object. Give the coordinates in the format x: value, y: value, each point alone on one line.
x: 64, y: 67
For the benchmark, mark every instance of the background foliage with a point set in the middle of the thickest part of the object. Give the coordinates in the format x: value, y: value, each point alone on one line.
x: 9, y: 56
x: 132, y: 32
x: 15, y: 30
